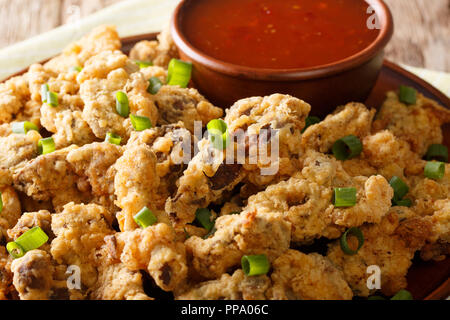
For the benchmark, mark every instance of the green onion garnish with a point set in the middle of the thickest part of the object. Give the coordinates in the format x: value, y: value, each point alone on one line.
x: 400, y: 188
x: 347, y: 148
x: 203, y: 216
x: 1, y: 203
x: 310, y: 121
x: 140, y: 123
x: 24, y: 127
x: 52, y: 99
x: 255, y: 265
x: 435, y: 170
x: 344, y: 244
x: 218, y: 133
x: 344, y: 197
x: 179, y: 73
x: 437, y: 152
x: 403, y: 203
x: 44, y: 90
x: 32, y: 239
x: 154, y: 85
x: 407, y: 95
x: 403, y: 295
x: 113, y: 138
x: 143, y: 64
x: 122, y: 104
x: 15, y: 250
x: 145, y: 218
x: 46, y: 145
x: 77, y: 69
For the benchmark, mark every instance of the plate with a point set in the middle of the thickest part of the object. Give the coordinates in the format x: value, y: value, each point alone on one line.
x: 426, y: 280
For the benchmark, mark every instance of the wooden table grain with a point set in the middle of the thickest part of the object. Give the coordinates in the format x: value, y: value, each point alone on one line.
x: 421, y: 39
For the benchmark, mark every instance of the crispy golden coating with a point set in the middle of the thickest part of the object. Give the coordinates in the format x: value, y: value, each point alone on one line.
x: 6, y: 276
x: 209, y: 174
x: 297, y: 276
x: 117, y: 282
x: 14, y: 95
x: 159, y: 52
x: 11, y: 211
x: 419, y: 124
x: 29, y: 220
x: 352, y: 119
x: 235, y: 287
x: 387, y: 245
x: 18, y: 148
x: 50, y: 177
x: 187, y: 105
x: 103, y: 76
x: 153, y: 249
x: 237, y: 235
x: 79, y: 232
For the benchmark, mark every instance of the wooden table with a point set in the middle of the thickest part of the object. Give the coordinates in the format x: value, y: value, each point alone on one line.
x: 422, y: 36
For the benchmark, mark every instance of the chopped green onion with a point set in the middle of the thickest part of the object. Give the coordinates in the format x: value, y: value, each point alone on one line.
x: 344, y: 197
x: 15, y: 250
x: 347, y: 148
x: 403, y: 295
x: 255, y: 265
x: 203, y: 216
x: 437, y: 152
x: 344, y: 244
x: 52, y: 99
x: 122, y: 104
x: 32, y: 239
x: 400, y: 188
x: 179, y: 73
x: 434, y: 170
x: 24, y: 127
x: 407, y: 95
x: 77, y: 69
x: 376, y: 298
x: 143, y: 64
x: 46, y: 145
x: 140, y: 123
x: 154, y: 85
x: 145, y: 218
x: 403, y: 203
x: 44, y: 90
x: 218, y: 134
x: 310, y: 121
x: 1, y: 203
x: 113, y: 138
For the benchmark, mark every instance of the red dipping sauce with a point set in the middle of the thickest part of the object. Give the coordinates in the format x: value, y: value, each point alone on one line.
x: 279, y: 34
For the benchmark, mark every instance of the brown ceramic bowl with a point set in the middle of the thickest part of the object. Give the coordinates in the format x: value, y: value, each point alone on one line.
x: 324, y: 87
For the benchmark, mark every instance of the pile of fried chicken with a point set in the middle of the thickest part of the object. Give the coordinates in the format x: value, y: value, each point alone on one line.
x: 85, y: 194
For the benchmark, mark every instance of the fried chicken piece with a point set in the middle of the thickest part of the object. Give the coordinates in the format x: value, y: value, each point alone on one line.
x: 389, y: 245
x: 6, y: 276
x: 238, y: 235
x: 153, y: 249
x: 173, y: 147
x: 79, y: 231
x: 184, y: 104
x: 29, y: 220
x: 159, y: 52
x: 210, y: 174
x: 419, y: 124
x: 351, y: 119
x: 18, y: 148
x: 155, y: 71
x: 50, y: 177
x: 14, y: 95
x: 297, y: 276
x: 117, y: 282
x: 136, y: 184
x: 103, y: 76
x: 11, y: 211
x: 235, y: 287
x: 95, y: 162
x: 102, y: 38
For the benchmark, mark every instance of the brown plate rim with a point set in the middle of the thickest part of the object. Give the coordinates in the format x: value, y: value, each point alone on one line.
x: 441, y: 292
